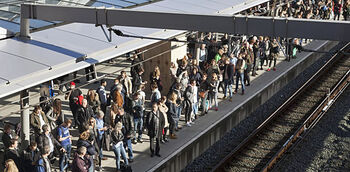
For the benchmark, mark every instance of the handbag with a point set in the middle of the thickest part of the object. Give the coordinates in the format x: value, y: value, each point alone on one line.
x: 202, y: 94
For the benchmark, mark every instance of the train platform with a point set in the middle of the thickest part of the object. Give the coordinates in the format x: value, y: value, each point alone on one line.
x: 192, y: 141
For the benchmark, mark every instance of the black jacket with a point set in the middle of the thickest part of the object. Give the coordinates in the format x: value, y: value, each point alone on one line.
x: 6, y: 139
x: 44, y: 141
x: 128, y: 124
x: 154, y: 123
x: 229, y: 69
x: 83, y: 115
x: 15, y: 156
x: 29, y: 157
x: 117, y: 136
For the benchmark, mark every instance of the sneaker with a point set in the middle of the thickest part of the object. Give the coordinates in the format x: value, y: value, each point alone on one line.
x: 130, y: 160
x: 268, y: 69
x: 188, y: 124
x: 191, y: 122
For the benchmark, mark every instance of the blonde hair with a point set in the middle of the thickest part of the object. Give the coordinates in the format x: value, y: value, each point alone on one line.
x: 85, y: 135
x: 11, y: 166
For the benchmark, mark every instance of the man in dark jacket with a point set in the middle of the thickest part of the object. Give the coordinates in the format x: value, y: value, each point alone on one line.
x: 154, y: 121
x: 84, y: 112
x: 128, y: 130
x: 203, y: 93
x: 30, y: 156
x: 228, y: 77
x: 7, y: 136
x: 73, y: 96
x: 12, y: 153
x: 80, y: 162
x: 46, y: 139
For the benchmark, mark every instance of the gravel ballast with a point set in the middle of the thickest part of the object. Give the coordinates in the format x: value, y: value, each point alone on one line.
x: 327, y: 146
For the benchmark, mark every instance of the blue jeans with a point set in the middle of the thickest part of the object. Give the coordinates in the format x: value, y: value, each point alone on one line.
x: 127, y: 143
x: 195, y: 108
x: 228, y: 86
x: 100, y: 137
x: 138, y: 122
x: 178, y: 114
x: 239, y: 77
x: 119, y: 150
x: 62, y: 160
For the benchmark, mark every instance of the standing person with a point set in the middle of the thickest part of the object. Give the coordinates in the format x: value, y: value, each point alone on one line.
x: 203, y: 56
x: 229, y: 70
x: 137, y: 81
x: 113, y: 88
x: 55, y: 115
x: 126, y: 82
x: 155, y: 78
x: 188, y: 94
x: 43, y: 164
x: 101, y: 128
x: 119, y: 96
x: 84, y: 141
x: 38, y: 119
x: 155, y: 96
x: 13, y: 153
x: 171, y: 115
x: 262, y: 51
x: 101, y: 91
x: 346, y: 10
x: 273, y: 54
x: 93, y: 101
x: 8, y: 135
x: 240, y: 72
x: 46, y: 139
x: 337, y: 9
x: 137, y: 110
x: 213, y: 91
x: 154, y: 120
x: 30, y: 155
x: 163, y: 109
x: 84, y: 112
x: 128, y: 130
x: 81, y: 163
x: 249, y: 62
x: 73, y: 96
x: 10, y: 166
x: 172, y: 72
x: 254, y: 43
x: 203, y: 94
x: 118, y: 148
x: 64, y: 138
x: 179, y: 105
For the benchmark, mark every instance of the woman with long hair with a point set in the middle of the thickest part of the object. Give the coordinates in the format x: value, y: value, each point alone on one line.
x: 155, y: 78
x: 10, y: 166
x: 93, y: 100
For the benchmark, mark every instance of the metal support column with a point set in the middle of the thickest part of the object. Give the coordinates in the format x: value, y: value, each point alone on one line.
x: 25, y: 128
x: 24, y: 27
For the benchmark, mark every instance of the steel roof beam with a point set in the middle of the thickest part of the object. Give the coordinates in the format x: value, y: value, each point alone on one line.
x: 249, y: 25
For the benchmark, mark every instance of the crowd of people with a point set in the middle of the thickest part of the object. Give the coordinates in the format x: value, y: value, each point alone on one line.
x: 115, y: 117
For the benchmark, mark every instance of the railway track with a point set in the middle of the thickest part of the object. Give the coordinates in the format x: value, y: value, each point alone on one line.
x: 266, y: 144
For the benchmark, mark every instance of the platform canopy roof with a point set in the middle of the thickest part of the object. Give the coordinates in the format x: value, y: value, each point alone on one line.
x: 55, y: 51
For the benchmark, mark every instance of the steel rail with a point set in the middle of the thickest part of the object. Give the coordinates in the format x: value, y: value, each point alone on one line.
x: 222, y: 164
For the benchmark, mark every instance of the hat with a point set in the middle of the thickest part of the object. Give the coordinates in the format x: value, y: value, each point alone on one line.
x: 72, y: 83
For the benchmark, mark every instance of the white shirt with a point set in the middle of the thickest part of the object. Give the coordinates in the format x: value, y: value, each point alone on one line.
x: 50, y: 143
x: 195, y: 94
x: 42, y: 122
